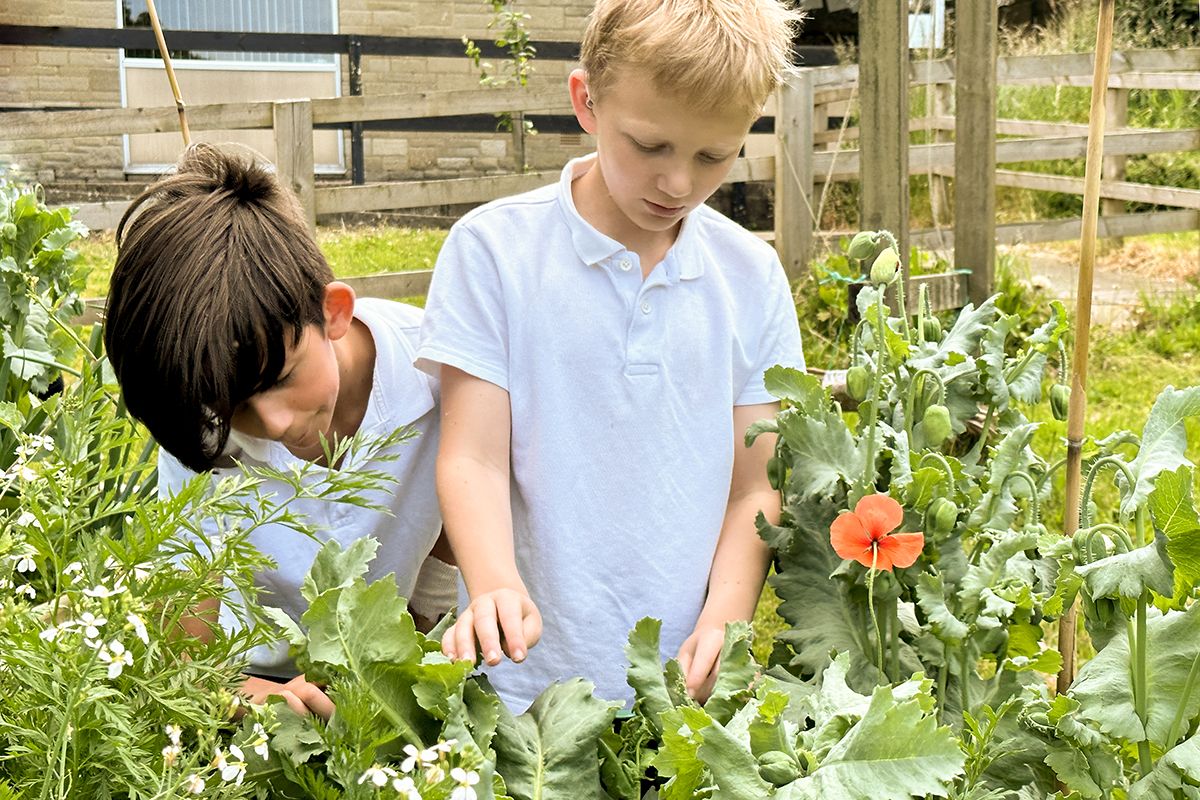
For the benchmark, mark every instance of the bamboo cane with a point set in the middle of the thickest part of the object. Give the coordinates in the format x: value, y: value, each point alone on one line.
x: 166, y: 57
x: 1083, y: 316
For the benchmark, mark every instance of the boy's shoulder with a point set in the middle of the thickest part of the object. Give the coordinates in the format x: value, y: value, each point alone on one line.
x: 719, y: 230
x: 529, y: 208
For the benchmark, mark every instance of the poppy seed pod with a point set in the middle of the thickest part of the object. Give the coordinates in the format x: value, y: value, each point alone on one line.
x: 862, y: 245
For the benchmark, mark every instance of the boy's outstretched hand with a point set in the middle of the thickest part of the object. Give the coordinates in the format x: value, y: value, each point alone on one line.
x: 301, y: 695
x: 500, y: 619
x: 700, y: 658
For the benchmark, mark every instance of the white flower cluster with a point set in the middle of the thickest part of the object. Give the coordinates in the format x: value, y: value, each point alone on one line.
x: 427, y: 766
x: 26, y: 451
x: 229, y: 765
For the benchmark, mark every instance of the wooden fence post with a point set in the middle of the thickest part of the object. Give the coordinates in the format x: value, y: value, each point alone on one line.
x: 975, y: 146
x: 293, y: 126
x: 883, y: 102
x: 1116, y: 104
x: 794, y: 173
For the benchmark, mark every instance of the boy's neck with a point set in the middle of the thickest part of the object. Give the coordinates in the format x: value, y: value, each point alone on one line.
x: 595, y: 204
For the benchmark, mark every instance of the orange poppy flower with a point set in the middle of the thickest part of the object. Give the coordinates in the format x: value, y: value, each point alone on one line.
x: 866, y: 533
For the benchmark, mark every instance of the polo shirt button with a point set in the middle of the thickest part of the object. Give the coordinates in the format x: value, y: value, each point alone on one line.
x: 645, y: 308
x: 625, y: 265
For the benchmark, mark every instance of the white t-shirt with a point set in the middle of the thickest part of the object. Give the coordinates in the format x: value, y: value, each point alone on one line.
x: 400, y: 395
x: 622, y: 393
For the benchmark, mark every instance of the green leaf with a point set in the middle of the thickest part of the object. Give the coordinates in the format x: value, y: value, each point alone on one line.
x: 11, y: 417
x: 824, y: 453
x: 1105, y: 691
x: 645, y: 673
x: 1027, y: 650
x: 1128, y: 575
x: 359, y: 625
x: 896, y: 751
x: 767, y: 730
x: 997, y: 509
x: 962, y: 340
x: 983, y: 578
x: 734, y: 768
x: 334, y: 567
x: 291, y: 631
x: 736, y: 675
x: 678, y: 753
x: 294, y: 736
x: 1174, y: 512
x: 550, y: 751
x: 1164, y: 442
x: 1167, y: 777
x: 923, y: 488
x: 802, y: 390
x: 931, y: 597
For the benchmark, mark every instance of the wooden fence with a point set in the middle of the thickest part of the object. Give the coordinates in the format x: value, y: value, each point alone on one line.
x: 802, y: 165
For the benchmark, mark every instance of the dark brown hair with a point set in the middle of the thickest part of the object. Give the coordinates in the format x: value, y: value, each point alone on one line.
x: 216, y: 275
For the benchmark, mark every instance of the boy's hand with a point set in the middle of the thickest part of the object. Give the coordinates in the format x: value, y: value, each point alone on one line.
x: 700, y: 658
x: 301, y: 696
x: 502, y: 618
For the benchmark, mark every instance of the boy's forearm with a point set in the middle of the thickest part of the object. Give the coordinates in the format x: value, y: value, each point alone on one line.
x: 740, y: 563
x: 477, y: 514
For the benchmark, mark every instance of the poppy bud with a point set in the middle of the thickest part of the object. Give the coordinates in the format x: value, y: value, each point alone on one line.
x: 932, y: 328
x: 776, y: 472
x: 1060, y: 400
x: 883, y: 271
x: 941, y: 516
x: 778, y: 768
x: 862, y: 245
x: 937, y: 425
x: 8, y: 230
x: 858, y: 382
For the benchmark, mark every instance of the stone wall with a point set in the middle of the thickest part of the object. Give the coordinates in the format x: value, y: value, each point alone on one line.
x: 69, y: 77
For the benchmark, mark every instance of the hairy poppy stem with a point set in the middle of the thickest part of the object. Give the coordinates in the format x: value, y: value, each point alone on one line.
x: 871, y: 606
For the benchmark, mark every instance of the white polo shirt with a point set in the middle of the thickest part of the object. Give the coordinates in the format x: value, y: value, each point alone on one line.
x: 622, y: 393
x: 400, y: 395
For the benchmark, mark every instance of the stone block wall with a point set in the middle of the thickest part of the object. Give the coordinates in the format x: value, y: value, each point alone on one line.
x: 38, y: 77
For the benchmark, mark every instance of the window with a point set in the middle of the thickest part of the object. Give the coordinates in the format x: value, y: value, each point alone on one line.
x: 229, y: 77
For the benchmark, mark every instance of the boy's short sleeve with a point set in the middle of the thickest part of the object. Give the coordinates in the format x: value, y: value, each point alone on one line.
x: 779, y: 337
x: 465, y: 325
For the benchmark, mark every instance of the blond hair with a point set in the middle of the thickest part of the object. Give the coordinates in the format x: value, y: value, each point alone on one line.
x: 710, y: 52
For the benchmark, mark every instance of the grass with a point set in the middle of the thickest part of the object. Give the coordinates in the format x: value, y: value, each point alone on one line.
x: 351, y: 252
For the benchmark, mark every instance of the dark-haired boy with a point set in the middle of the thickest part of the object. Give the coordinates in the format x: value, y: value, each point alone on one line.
x: 231, y: 339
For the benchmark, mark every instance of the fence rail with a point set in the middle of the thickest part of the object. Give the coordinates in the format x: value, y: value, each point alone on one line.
x: 802, y: 164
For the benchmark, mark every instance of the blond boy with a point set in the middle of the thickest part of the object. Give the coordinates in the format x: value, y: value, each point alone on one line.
x: 601, y: 345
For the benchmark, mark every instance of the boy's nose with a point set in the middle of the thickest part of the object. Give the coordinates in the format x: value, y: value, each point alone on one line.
x: 676, y: 183
x: 274, y: 418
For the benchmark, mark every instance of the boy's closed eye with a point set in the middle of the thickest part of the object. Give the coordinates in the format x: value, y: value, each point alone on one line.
x: 707, y: 158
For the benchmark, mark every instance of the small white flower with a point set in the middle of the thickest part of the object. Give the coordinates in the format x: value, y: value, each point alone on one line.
x: 377, y: 775
x: 28, y: 519
x: 171, y: 754
x: 434, y: 774
x: 445, y: 747
x: 142, y: 571
x: 73, y: 568
x: 111, y: 563
x: 101, y: 591
x: 116, y: 656
x: 260, y: 741
x: 49, y: 634
x: 173, y: 732
x: 91, y: 624
x: 27, y: 590
x: 406, y: 788
x: 139, y: 627
x: 25, y: 563
x: 413, y: 760
x: 231, y: 770
x: 194, y: 784
x: 465, y: 780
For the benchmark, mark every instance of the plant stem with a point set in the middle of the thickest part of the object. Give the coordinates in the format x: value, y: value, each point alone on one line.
x: 1093, y: 473
x: 873, y: 398
x: 964, y: 689
x: 894, y: 639
x: 871, y: 606
x: 977, y: 451
x: 1185, y: 699
x: 1140, y: 700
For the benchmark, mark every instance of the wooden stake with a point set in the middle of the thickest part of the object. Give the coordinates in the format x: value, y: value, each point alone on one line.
x: 1083, y: 316
x: 166, y: 57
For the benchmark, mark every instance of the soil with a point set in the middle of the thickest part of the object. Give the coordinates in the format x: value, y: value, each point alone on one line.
x: 1126, y: 277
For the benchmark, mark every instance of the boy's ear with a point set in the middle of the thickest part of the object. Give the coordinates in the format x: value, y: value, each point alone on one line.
x: 581, y: 100
x: 339, y: 309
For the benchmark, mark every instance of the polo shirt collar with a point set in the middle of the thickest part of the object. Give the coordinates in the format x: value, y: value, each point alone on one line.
x: 684, y: 259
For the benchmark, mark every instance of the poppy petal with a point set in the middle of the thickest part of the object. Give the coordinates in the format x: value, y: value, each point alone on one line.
x: 883, y: 561
x: 848, y: 536
x: 902, y: 549
x: 880, y: 514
